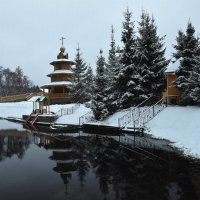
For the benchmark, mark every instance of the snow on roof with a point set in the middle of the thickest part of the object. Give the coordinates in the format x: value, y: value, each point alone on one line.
x: 173, y: 66
x: 57, y: 83
x: 61, y: 72
x: 63, y: 60
x: 35, y: 98
x: 42, y: 98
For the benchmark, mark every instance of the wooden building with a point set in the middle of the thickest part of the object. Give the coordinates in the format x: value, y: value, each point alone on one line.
x: 61, y: 79
x: 172, y: 93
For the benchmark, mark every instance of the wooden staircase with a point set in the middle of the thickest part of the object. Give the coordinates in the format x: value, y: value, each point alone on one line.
x: 32, y: 118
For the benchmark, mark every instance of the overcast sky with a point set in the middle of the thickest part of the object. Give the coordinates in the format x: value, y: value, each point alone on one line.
x: 30, y: 29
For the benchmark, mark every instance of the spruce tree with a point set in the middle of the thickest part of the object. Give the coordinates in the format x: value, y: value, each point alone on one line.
x: 98, y: 104
x: 128, y: 39
x: 77, y: 89
x: 80, y: 66
x: 88, y: 82
x: 113, y: 67
x: 151, y: 57
x: 128, y: 85
x: 193, y: 89
x: 127, y: 79
x: 187, y: 49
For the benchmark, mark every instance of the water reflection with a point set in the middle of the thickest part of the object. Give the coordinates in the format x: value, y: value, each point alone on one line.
x: 13, y: 142
x: 120, y: 173
x: 93, y: 167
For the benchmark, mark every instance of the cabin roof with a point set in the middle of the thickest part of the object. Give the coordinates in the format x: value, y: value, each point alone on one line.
x: 173, y: 66
x: 64, y: 71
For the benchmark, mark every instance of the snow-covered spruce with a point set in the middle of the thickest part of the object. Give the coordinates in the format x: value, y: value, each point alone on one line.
x: 83, y: 79
x: 151, y: 61
x: 98, y: 104
x: 188, y: 73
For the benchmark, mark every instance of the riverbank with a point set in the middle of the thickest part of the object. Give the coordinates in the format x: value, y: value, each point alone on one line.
x: 178, y: 124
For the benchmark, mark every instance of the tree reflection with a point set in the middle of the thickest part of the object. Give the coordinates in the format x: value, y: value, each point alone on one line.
x: 13, y: 143
x: 121, y: 173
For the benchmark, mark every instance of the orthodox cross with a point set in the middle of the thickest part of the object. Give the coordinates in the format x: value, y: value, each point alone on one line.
x: 62, y: 38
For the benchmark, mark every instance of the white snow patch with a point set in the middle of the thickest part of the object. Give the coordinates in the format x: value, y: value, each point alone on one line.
x: 61, y: 72
x: 113, y: 119
x: 180, y: 125
x: 73, y: 118
x: 57, y: 83
x: 35, y: 98
x: 6, y: 125
x: 16, y: 109
x: 172, y: 67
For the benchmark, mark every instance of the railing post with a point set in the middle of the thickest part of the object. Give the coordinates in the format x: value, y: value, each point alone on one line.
x: 79, y: 121
x: 134, y: 139
x: 153, y: 111
x: 119, y: 122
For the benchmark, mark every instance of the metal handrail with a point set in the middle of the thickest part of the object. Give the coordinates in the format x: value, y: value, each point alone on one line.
x: 85, y: 118
x: 151, y: 112
x: 134, y: 112
x: 67, y: 111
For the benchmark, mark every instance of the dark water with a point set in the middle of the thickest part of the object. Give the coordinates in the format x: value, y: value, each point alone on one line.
x: 83, y: 167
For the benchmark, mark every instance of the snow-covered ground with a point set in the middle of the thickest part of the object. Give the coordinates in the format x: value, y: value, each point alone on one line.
x: 73, y: 118
x: 113, y: 119
x: 18, y: 109
x: 180, y: 125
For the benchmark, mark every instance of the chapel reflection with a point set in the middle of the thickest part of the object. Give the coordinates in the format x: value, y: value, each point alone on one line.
x: 69, y: 154
x: 120, y: 172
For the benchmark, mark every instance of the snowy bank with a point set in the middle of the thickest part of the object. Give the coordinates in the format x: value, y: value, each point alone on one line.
x: 18, y: 109
x: 177, y: 124
x: 180, y: 125
x: 113, y: 119
x: 73, y: 118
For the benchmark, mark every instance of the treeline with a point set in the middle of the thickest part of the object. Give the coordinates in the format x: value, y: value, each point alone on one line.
x: 131, y: 73
x: 15, y: 82
x: 136, y: 70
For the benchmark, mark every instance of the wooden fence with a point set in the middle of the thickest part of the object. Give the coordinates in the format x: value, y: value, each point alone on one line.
x: 20, y: 97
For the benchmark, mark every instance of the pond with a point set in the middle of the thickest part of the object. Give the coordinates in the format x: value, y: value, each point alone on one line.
x: 43, y: 166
